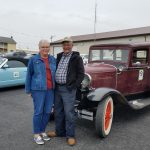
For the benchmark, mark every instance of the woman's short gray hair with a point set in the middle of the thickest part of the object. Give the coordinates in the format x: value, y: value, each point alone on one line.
x: 43, y: 41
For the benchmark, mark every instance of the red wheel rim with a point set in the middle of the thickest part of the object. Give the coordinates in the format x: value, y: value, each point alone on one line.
x: 108, y: 115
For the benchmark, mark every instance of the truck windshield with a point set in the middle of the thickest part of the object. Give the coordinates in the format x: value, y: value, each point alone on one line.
x: 118, y: 55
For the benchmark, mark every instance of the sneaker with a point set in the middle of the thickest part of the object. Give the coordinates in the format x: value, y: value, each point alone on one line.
x: 45, y: 137
x: 38, y: 140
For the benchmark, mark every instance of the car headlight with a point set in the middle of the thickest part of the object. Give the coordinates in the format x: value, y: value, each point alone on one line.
x: 86, y: 81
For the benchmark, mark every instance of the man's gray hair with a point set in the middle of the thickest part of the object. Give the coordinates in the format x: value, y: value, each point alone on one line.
x: 43, y: 41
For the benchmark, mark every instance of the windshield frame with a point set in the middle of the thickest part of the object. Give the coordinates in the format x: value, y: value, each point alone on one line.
x: 3, y: 61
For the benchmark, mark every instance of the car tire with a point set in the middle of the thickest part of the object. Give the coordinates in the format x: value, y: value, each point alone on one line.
x: 104, y: 117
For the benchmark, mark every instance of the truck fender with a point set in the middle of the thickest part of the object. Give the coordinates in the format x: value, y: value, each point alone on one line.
x: 100, y: 93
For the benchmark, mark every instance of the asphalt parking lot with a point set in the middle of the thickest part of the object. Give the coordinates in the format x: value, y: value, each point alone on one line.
x: 130, y: 130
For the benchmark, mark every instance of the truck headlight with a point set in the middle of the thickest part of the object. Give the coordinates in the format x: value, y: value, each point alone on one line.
x: 86, y: 81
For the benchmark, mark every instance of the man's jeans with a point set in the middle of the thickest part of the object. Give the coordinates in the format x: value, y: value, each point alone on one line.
x: 65, y: 111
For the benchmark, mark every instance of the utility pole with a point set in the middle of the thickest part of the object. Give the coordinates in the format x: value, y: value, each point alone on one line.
x: 95, y: 16
x: 51, y: 38
x: 95, y: 19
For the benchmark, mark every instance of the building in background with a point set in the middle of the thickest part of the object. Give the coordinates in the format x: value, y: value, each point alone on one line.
x: 7, y: 44
x: 83, y: 42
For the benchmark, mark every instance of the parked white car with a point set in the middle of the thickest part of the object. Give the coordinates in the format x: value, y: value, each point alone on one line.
x: 85, y: 58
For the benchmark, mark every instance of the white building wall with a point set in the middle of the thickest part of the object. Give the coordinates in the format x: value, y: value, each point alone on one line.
x: 83, y: 47
x: 148, y: 38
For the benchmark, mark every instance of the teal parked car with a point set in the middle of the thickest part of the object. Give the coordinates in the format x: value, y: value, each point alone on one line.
x: 12, y: 71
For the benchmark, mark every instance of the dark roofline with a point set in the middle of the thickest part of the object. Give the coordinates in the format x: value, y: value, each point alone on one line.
x: 108, y: 35
x: 125, y: 44
x: 7, y: 40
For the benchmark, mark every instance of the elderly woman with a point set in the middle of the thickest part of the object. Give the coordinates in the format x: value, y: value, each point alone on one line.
x: 40, y: 84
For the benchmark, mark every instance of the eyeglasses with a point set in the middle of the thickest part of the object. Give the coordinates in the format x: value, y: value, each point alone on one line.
x: 45, y: 47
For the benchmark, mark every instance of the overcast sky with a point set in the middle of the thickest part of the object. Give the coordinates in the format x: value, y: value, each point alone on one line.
x: 28, y: 21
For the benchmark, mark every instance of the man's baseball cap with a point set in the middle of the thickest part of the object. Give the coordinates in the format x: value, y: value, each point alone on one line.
x: 67, y: 39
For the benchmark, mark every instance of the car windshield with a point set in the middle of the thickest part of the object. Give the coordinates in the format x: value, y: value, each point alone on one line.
x: 116, y: 55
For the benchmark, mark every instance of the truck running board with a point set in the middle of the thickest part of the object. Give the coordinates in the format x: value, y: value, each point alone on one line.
x: 85, y: 114
x: 139, y: 103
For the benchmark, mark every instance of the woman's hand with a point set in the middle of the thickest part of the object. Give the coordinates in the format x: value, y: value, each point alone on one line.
x: 30, y: 95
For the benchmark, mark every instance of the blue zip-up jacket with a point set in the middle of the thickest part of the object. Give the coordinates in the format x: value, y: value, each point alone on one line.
x: 36, y: 73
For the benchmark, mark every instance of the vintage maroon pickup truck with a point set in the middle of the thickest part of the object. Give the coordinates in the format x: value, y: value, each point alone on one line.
x: 115, y: 74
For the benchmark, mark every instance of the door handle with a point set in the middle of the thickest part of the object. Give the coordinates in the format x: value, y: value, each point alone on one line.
x: 119, y: 72
x: 148, y: 67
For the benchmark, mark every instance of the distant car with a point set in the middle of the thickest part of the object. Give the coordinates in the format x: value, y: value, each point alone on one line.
x: 85, y: 58
x: 1, y: 55
x: 16, y: 54
x: 13, y: 71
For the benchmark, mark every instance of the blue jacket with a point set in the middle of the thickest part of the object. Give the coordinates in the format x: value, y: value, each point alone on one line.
x: 36, y: 73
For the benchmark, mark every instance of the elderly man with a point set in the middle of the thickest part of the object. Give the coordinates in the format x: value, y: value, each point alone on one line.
x: 69, y: 75
x: 40, y: 82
